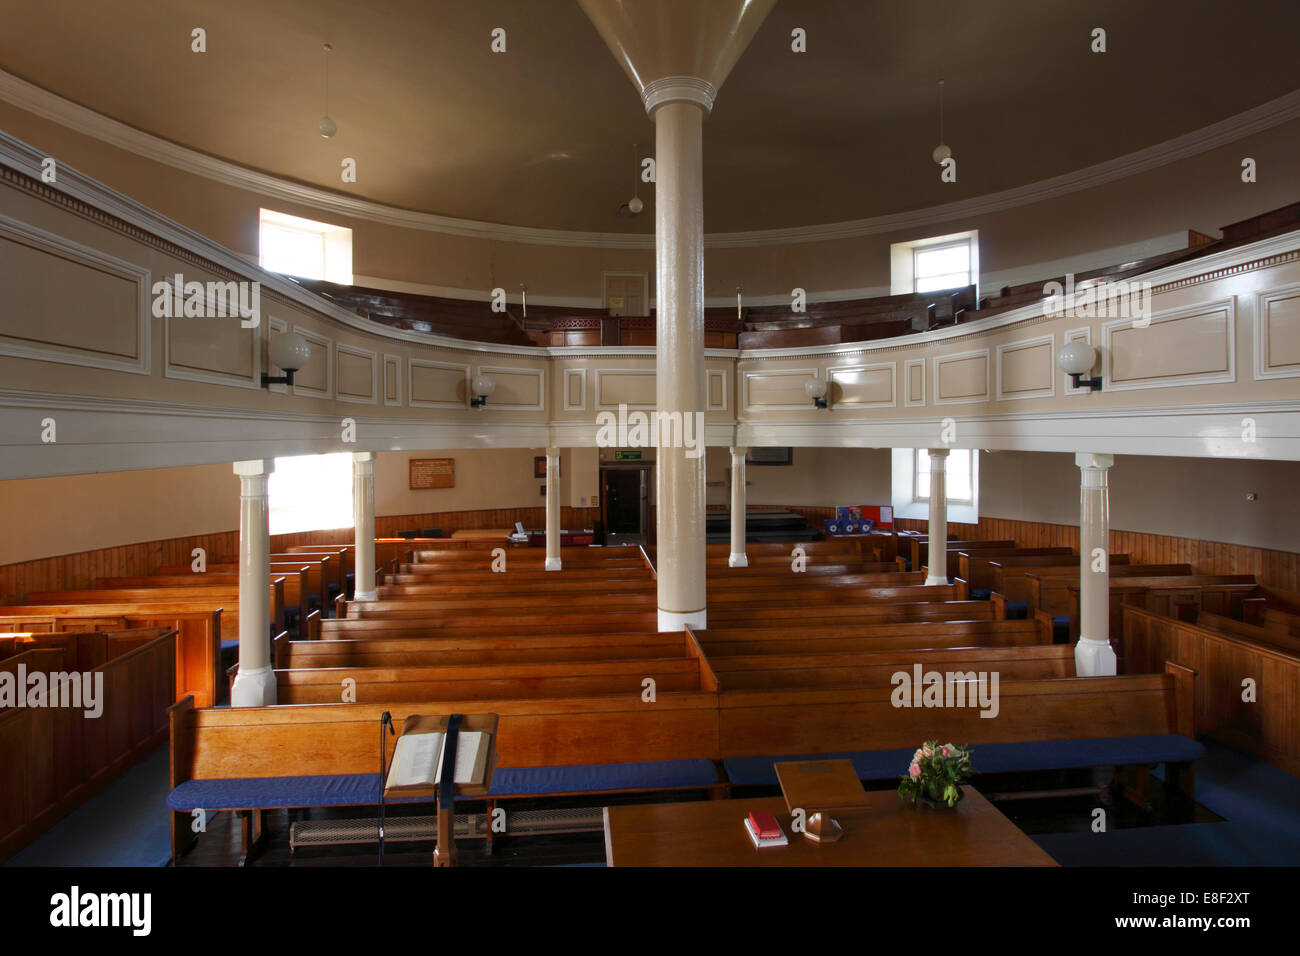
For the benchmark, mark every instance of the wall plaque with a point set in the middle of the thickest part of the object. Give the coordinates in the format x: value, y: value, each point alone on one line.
x: 433, y: 473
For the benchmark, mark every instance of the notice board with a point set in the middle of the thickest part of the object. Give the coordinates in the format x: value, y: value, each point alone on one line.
x: 433, y: 473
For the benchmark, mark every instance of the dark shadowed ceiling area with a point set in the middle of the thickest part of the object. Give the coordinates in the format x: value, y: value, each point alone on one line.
x: 542, y: 135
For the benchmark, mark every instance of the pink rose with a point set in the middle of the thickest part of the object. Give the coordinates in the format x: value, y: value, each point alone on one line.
x: 914, y: 771
x: 944, y: 752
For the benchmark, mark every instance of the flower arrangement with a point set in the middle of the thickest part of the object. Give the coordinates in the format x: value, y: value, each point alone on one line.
x: 936, y: 774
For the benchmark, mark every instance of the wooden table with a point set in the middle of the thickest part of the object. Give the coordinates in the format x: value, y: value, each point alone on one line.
x: 887, y: 833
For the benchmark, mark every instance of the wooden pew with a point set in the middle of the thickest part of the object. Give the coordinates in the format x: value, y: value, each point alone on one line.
x: 197, y: 645
x: 320, y: 572
x: 1026, y: 662
x: 737, y: 616
x: 1011, y: 578
x: 1173, y: 595
x: 589, y: 678
x: 1280, y: 621
x: 319, y: 740
x: 427, y: 651
x: 973, y: 566
x: 1048, y: 588
x: 842, y: 637
x: 221, y: 596
x: 506, y: 587
x: 1267, y: 726
x: 758, y: 725
x: 295, y: 587
x: 426, y: 604
x: 919, y: 551
x: 56, y: 759
x: 416, y: 622
x: 785, y: 578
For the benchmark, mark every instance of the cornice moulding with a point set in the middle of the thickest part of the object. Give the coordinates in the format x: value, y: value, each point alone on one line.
x: 34, y: 99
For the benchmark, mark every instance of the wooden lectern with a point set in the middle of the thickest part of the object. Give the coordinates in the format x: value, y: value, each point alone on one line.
x: 444, y: 792
x: 819, y: 787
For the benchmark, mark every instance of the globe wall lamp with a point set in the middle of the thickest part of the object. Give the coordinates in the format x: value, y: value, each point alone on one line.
x: 1076, y: 360
x: 483, y: 387
x: 289, y: 352
x: 816, y: 390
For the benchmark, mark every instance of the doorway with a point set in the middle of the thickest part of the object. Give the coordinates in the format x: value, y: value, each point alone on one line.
x: 626, y: 293
x: 624, y: 495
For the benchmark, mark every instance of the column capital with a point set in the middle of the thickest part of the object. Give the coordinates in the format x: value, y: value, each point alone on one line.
x: 363, y: 456
x: 939, y: 452
x: 552, y: 453
x: 255, y: 468
x: 1085, y: 459
x: 678, y: 89
x: 738, y: 452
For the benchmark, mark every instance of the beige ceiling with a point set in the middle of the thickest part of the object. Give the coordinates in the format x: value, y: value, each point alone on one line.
x: 543, y: 134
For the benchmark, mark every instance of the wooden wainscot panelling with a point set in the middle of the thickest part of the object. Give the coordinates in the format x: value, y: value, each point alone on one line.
x: 1188, y: 346
x: 914, y: 382
x: 356, y: 374
x: 437, y: 384
x: 518, y: 389
x: 317, y: 377
x: 392, y: 379
x: 575, y: 389
x: 1277, y: 333
x: 962, y: 378
x: 633, y: 387
x: 716, y: 389
x: 778, y: 390
x: 1027, y: 369
x: 214, y: 346
x: 68, y: 303
x: 863, y: 386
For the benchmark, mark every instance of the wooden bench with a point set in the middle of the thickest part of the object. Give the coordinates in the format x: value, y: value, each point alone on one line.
x: 417, y: 622
x: 1172, y: 595
x: 222, y: 596
x: 296, y: 589
x: 737, y: 616
x: 834, y: 668
x: 56, y: 759
x: 1266, y: 726
x: 249, y: 759
x: 973, y: 566
x: 919, y: 553
x: 198, y: 641
x: 817, y: 637
x: 1059, y: 724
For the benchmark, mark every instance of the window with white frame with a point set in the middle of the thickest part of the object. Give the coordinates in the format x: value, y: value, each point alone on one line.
x: 958, y: 486
x: 941, y: 267
x: 910, y: 484
x: 311, y: 493
x: 304, y: 247
x: 934, y: 264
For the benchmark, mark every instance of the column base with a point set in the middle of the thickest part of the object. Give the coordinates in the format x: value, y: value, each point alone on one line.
x: 253, y: 688
x: 1094, y: 658
x: 740, y: 560
x: 552, y: 564
x: 677, y: 621
x: 365, y: 595
x: 931, y: 581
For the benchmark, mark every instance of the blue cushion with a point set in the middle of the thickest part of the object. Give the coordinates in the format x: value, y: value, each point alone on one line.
x: 992, y: 758
x: 362, y: 789
x: 1017, y: 610
x: 647, y: 775
x: 229, y: 646
x: 979, y: 594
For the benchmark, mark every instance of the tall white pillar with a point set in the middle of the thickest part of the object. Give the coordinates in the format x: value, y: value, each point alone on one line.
x: 255, y: 682
x: 938, y: 535
x: 553, y: 509
x: 363, y: 519
x: 1093, y: 655
x: 678, y: 105
x: 738, y: 558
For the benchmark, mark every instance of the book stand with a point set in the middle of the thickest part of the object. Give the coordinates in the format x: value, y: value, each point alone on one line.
x: 819, y: 787
x: 444, y: 793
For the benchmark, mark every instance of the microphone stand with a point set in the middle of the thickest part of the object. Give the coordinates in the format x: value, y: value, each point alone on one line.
x: 385, y: 720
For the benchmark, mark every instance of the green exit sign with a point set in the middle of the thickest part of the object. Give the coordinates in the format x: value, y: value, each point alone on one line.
x: 627, y: 454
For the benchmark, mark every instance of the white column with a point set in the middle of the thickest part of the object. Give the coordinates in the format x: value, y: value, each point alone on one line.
x: 1093, y: 655
x: 363, y: 518
x: 255, y: 682
x: 938, y: 539
x: 678, y: 105
x: 553, y: 509
x: 738, y: 558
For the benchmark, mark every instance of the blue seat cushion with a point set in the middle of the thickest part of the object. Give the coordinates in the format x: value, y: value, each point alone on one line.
x: 362, y: 789
x: 646, y: 775
x: 993, y: 758
x: 1016, y: 610
x: 980, y: 594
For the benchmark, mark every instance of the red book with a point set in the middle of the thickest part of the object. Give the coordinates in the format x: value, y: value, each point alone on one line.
x: 765, y: 825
